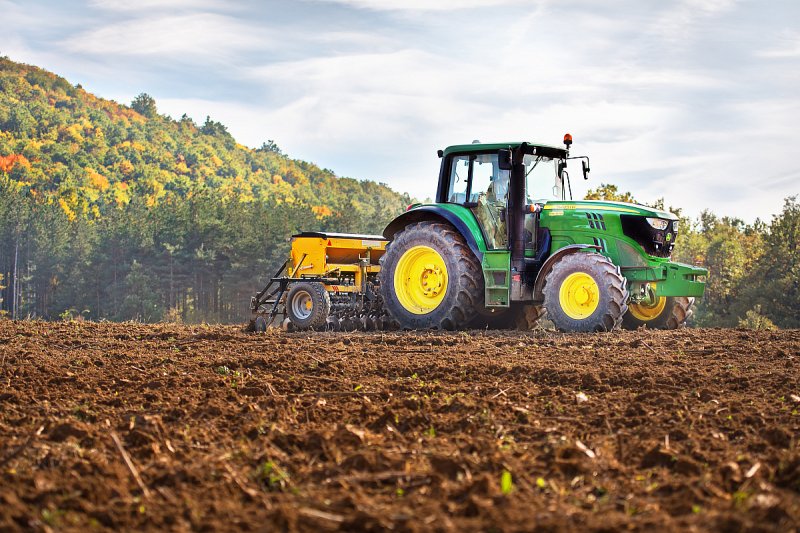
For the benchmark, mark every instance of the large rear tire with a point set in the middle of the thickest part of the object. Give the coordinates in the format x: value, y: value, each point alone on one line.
x: 308, y: 305
x: 585, y: 291
x: 430, y: 279
x: 667, y: 312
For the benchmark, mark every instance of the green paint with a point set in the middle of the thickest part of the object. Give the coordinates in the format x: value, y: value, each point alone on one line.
x: 489, y: 147
x: 496, y: 267
x: 506, y: 483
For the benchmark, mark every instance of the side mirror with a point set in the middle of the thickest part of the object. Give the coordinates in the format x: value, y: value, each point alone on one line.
x: 504, y: 159
x: 586, y: 169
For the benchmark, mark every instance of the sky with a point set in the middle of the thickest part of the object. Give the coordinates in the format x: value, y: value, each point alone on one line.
x: 695, y: 101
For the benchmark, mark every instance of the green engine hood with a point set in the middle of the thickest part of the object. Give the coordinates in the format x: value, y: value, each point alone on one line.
x: 602, y: 205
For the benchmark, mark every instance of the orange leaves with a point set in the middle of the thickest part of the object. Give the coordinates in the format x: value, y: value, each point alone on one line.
x: 8, y: 162
x: 96, y: 180
x: 321, y: 211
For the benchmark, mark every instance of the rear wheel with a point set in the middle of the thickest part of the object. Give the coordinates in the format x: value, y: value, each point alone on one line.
x: 308, y: 305
x: 585, y: 292
x: 430, y: 278
x: 665, y: 312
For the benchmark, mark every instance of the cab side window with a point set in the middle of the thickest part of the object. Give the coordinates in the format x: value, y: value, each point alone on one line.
x: 483, y: 167
x: 459, y: 178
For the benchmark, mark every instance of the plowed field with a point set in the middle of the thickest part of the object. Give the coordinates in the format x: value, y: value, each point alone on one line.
x: 122, y: 426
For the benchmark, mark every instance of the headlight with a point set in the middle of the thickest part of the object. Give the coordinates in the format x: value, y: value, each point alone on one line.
x: 658, y: 223
x: 675, y: 226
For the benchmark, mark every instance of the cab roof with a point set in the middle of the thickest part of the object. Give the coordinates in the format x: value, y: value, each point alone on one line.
x: 486, y: 147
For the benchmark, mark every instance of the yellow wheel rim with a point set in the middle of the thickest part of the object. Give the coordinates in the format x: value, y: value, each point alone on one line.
x: 579, y: 295
x: 647, y: 312
x: 420, y: 280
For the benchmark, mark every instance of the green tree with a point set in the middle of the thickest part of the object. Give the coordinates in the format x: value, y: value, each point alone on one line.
x: 774, y: 281
x: 144, y: 104
x: 609, y: 192
x: 141, y: 301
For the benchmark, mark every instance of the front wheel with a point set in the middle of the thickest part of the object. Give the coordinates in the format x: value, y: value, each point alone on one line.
x: 430, y: 279
x: 665, y: 312
x: 585, y: 291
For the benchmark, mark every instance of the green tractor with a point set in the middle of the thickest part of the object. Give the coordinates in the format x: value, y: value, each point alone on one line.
x: 501, y: 245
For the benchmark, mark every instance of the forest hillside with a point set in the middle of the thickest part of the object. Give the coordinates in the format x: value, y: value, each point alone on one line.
x: 109, y: 211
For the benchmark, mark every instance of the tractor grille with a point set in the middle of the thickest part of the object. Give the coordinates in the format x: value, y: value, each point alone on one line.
x: 596, y: 221
x: 658, y: 243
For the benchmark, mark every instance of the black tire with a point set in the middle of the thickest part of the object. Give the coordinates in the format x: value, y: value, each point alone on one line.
x: 611, y: 298
x: 530, y: 317
x: 260, y: 324
x: 308, y: 305
x: 677, y: 310
x: 464, y: 291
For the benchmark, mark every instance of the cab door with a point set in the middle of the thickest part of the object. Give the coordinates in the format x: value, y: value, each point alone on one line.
x: 477, y: 183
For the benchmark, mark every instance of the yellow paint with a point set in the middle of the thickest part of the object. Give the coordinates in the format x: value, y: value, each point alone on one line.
x: 645, y: 312
x: 579, y: 295
x: 590, y: 207
x: 420, y: 280
x: 327, y: 256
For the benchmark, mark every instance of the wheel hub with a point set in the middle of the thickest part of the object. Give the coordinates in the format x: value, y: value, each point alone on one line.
x: 579, y: 295
x: 420, y: 280
x: 650, y: 308
x: 302, y: 305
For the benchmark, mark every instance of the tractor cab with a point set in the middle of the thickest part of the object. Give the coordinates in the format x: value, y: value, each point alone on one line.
x: 479, y: 177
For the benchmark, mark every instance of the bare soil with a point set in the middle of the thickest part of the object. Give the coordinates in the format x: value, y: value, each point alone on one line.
x: 128, y: 426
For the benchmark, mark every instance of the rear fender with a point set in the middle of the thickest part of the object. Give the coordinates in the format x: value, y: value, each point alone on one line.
x: 438, y: 214
x: 547, y: 266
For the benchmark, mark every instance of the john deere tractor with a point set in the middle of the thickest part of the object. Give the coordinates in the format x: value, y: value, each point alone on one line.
x: 502, y: 244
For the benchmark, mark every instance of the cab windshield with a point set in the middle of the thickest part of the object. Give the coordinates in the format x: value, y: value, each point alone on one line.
x: 541, y: 179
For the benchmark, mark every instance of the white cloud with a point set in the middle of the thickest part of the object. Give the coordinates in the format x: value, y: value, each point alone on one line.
x: 174, y: 36
x: 788, y: 46
x: 127, y: 6
x: 679, y: 21
x: 424, y: 5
